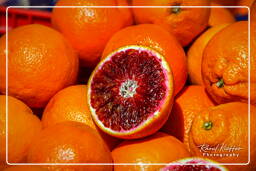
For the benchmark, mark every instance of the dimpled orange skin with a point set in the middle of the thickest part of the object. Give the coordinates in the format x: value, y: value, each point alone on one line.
x: 70, y: 142
x: 40, y: 63
x: 229, y: 126
x: 195, y: 54
x: 25, y: 168
x: 70, y: 104
x: 219, y: 16
x: 89, y: 29
x: 158, y: 148
x: 184, y: 23
x: 191, y: 100
x: 23, y: 125
x: 225, y: 65
x: 253, y: 45
x: 158, y: 39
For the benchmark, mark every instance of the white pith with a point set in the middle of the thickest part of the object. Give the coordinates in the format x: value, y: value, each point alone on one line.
x: 155, y: 115
x: 128, y: 88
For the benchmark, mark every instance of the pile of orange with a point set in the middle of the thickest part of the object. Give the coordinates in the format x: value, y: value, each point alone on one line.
x: 206, y: 93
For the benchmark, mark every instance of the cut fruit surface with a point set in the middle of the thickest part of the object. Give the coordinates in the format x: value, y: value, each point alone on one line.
x: 130, y: 92
x: 194, y: 164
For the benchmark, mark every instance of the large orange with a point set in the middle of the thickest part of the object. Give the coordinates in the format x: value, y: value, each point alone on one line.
x: 22, y: 128
x: 25, y: 168
x: 218, y: 129
x: 89, y: 29
x: 184, y: 23
x: 225, y: 65
x: 160, y: 40
x: 158, y: 148
x: 40, y: 63
x: 195, y: 53
x: 190, y: 101
x: 70, y: 142
x: 253, y: 43
x: 220, y: 16
x: 70, y: 104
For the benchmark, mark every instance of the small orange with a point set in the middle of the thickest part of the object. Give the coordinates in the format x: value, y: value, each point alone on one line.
x: 195, y: 53
x: 225, y: 65
x: 70, y: 104
x: 218, y: 129
x: 158, y: 148
x: 191, y: 100
x: 89, y: 29
x: 40, y: 63
x: 70, y: 142
x: 25, y: 168
x: 184, y: 23
x: 220, y: 16
x: 22, y: 128
x: 158, y: 39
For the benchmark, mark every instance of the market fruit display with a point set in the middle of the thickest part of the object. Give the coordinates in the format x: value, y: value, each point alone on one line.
x: 136, y: 85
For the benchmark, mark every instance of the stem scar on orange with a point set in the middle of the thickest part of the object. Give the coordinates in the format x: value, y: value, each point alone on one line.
x: 224, y: 129
x: 225, y: 65
x: 184, y: 23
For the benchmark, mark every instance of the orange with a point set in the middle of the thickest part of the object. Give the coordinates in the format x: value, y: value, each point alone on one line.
x: 40, y: 63
x: 225, y: 65
x: 158, y: 39
x: 70, y: 104
x: 195, y: 53
x: 220, y: 16
x: 253, y: 43
x: 222, y: 127
x: 70, y: 142
x: 22, y: 128
x: 158, y: 148
x: 89, y: 29
x: 25, y: 168
x: 184, y: 23
x: 191, y: 100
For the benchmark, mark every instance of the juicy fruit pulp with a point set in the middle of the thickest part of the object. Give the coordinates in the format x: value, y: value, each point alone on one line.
x: 194, y: 164
x: 128, y: 88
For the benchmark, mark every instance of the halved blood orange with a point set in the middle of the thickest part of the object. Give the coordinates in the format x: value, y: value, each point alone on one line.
x: 130, y: 92
x: 194, y: 164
